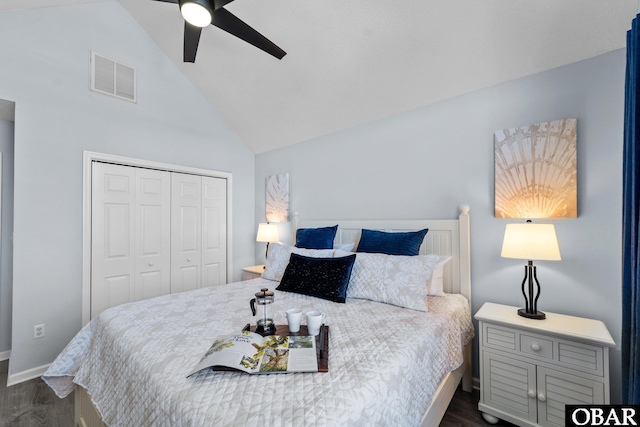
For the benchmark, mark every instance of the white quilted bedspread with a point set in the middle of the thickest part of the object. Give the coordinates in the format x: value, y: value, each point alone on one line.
x: 385, y: 362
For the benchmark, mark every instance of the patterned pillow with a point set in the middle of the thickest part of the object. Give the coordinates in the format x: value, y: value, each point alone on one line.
x: 391, y: 279
x: 278, y: 258
x: 316, y: 238
x: 325, y: 278
x: 394, y: 243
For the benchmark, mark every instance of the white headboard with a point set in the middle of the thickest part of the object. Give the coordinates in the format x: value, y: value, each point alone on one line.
x: 445, y: 237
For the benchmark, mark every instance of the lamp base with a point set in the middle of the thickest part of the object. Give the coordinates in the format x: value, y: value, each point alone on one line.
x: 536, y: 315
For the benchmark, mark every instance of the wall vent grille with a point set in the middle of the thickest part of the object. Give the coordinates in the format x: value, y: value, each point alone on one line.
x: 113, y: 78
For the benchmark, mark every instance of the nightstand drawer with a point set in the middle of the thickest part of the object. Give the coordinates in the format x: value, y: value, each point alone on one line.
x: 499, y: 338
x: 536, y: 346
x: 582, y: 357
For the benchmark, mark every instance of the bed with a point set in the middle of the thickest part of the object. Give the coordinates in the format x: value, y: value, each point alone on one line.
x: 388, y: 365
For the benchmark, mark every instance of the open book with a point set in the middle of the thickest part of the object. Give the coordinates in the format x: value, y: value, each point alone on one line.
x: 252, y: 353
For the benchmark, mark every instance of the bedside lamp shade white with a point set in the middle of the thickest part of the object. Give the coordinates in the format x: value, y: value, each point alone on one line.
x: 267, y: 233
x: 531, y: 242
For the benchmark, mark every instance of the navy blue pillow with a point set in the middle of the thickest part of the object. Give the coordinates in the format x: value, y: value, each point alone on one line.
x: 400, y: 243
x: 325, y: 278
x: 316, y: 238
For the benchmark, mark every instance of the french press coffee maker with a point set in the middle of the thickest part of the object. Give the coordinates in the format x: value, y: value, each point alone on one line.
x: 264, y: 300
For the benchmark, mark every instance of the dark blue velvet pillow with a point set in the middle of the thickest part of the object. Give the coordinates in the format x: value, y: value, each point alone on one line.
x: 400, y: 243
x: 316, y: 238
x: 325, y: 278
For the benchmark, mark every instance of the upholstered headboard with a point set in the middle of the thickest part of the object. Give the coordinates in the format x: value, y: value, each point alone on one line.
x: 445, y: 237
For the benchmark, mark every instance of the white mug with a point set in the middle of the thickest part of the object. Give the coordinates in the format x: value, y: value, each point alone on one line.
x: 314, y: 320
x: 294, y: 317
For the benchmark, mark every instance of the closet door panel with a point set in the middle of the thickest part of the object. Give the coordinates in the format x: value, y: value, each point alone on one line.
x: 214, y: 231
x: 186, y: 232
x: 153, y: 233
x: 112, y: 231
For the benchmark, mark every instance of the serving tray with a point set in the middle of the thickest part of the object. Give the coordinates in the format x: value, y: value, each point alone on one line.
x: 321, y: 352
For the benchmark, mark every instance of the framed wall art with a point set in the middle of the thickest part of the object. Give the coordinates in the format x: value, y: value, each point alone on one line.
x: 277, y: 198
x: 536, y: 171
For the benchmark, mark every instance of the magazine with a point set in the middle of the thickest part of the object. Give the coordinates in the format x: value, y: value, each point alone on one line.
x: 252, y: 353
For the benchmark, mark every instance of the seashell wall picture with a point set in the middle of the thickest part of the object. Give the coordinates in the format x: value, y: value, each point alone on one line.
x: 536, y: 171
x: 277, y: 198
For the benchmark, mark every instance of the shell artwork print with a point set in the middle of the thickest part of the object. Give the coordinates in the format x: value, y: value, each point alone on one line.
x: 277, y: 198
x: 536, y: 171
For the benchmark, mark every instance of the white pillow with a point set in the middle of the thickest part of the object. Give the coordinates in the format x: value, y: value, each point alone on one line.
x: 435, y: 282
x: 348, y: 247
x: 391, y: 279
x: 278, y: 259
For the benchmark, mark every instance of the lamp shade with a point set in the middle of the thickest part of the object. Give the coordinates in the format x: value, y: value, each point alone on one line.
x: 196, y: 12
x: 267, y: 233
x: 531, y: 242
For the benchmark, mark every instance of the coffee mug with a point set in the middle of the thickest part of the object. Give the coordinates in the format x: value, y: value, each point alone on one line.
x: 294, y: 317
x: 314, y: 320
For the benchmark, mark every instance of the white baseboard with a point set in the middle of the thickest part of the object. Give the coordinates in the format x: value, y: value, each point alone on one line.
x: 4, y: 355
x: 27, y: 375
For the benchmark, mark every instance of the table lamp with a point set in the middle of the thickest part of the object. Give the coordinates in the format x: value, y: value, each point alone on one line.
x: 267, y: 233
x: 531, y: 242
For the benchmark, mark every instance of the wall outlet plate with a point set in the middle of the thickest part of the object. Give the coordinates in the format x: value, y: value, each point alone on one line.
x: 38, y: 331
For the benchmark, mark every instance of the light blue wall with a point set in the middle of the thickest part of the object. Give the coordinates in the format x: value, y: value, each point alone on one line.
x: 6, y: 251
x: 45, y: 71
x: 426, y: 162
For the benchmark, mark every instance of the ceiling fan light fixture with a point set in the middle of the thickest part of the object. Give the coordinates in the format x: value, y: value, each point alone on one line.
x: 196, y: 12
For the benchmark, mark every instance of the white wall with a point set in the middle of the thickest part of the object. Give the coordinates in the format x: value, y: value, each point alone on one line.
x: 45, y: 71
x: 6, y: 251
x: 426, y: 162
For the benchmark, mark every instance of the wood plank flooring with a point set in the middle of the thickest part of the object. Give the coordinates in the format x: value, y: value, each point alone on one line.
x: 33, y: 404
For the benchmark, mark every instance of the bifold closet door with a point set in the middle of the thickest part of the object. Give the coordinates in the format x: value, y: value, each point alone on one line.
x: 153, y: 233
x: 186, y: 232
x: 214, y: 231
x: 130, y: 235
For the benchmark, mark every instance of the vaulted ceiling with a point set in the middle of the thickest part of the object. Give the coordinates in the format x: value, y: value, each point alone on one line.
x: 350, y: 62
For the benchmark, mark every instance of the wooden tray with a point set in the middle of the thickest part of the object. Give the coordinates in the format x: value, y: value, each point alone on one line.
x: 323, y: 356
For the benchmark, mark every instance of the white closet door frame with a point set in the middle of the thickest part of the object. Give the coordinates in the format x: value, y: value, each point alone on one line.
x: 90, y: 157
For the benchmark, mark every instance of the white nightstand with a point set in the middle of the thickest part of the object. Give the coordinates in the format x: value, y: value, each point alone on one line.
x: 253, y: 272
x: 530, y: 369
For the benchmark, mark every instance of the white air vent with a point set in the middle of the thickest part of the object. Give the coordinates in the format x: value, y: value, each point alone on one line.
x: 112, y: 78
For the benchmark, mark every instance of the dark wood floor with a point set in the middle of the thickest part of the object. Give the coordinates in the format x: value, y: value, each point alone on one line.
x: 33, y: 404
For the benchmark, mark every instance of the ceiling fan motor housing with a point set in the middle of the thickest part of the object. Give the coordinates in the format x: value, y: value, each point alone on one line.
x: 197, y: 12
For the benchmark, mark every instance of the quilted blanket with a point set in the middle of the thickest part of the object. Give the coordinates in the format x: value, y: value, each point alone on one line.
x: 385, y: 362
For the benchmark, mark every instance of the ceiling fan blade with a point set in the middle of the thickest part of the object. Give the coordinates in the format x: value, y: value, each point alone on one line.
x: 228, y: 22
x: 168, y: 1
x: 217, y: 4
x: 191, y: 40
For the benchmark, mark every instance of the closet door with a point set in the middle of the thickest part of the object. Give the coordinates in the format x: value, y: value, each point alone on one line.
x: 186, y: 232
x: 112, y: 236
x: 214, y: 231
x: 130, y: 235
x: 152, y: 234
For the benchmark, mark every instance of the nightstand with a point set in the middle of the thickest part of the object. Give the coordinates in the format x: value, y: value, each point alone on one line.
x: 253, y: 272
x: 530, y: 369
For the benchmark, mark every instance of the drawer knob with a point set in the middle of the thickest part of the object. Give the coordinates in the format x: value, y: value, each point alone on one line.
x: 535, y: 347
x: 188, y: 259
x: 150, y: 264
x: 541, y: 397
x: 531, y: 394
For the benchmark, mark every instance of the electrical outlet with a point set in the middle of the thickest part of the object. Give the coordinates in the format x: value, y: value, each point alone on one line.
x: 38, y: 331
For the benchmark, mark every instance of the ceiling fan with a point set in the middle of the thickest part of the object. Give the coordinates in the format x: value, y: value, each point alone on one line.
x: 200, y: 13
